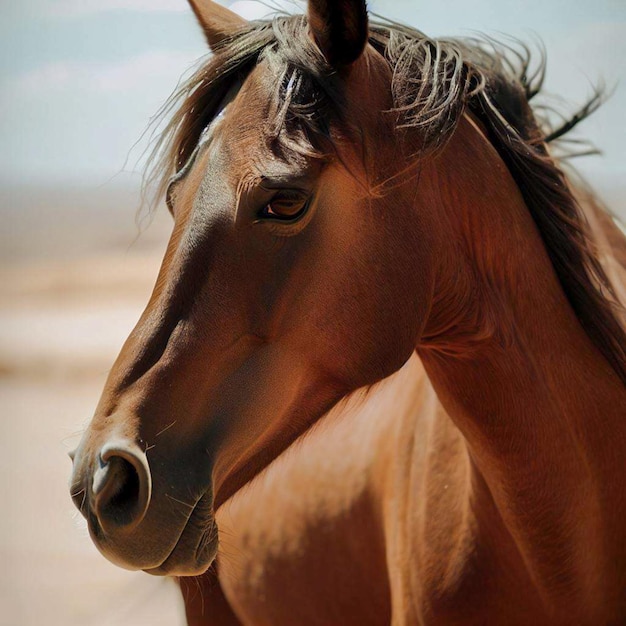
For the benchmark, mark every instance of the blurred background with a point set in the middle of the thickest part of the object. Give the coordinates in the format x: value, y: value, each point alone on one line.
x: 79, y: 82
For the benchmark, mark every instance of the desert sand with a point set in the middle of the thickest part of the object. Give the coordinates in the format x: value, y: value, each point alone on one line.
x: 74, y: 278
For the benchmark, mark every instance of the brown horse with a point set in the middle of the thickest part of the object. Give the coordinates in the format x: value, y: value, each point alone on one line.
x: 384, y: 354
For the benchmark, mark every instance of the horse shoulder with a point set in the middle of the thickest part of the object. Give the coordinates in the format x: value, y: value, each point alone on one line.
x: 378, y: 514
x: 306, y: 539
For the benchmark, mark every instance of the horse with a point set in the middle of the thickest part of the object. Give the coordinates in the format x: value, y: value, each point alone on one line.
x: 381, y: 378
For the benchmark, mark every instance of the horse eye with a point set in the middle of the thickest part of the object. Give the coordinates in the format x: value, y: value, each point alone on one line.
x: 286, y: 206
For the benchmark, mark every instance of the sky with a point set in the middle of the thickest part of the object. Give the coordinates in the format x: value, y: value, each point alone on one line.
x: 80, y: 79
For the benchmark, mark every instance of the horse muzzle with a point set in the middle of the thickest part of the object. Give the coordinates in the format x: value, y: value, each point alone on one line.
x: 131, y: 525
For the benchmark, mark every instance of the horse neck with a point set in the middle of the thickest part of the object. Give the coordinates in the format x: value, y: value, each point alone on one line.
x: 540, y: 407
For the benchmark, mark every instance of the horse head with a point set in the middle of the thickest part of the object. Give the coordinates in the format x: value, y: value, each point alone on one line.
x: 292, y: 277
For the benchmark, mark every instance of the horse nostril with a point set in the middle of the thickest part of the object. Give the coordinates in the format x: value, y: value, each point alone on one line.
x: 121, y: 487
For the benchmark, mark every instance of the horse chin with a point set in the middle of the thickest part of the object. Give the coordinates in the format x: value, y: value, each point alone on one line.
x: 187, y: 560
x: 196, y: 548
x: 193, y: 551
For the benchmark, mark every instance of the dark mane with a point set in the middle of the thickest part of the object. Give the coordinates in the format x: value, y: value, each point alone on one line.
x: 434, y: 82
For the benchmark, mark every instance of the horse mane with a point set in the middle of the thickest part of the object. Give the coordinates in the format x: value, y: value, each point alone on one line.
x: 434, y: 82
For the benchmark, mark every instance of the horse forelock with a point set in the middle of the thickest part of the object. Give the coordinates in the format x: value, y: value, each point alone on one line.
x: 434, y: 81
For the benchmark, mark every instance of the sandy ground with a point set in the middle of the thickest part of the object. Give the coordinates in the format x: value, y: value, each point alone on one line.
x: 70, y: 295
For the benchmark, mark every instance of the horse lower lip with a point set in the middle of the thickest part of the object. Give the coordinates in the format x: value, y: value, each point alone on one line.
x: 195, y: 549
x: 194, y: 563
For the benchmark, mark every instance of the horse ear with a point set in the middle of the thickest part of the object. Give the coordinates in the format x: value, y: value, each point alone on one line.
x: 339, y: 28
x: 217, y: 22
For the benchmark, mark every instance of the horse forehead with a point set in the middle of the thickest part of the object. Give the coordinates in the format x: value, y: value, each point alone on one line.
x: 248, y: 118
x: 245, y: 136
